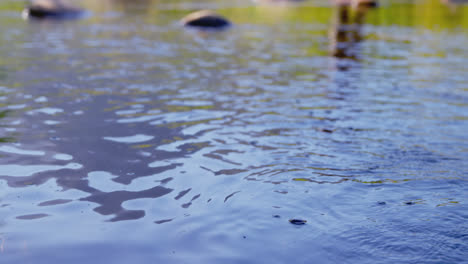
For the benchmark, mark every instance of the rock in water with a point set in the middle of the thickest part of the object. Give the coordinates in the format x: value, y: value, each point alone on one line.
x: 205, y: 19
x: 297, y: 221
x: 57, y: 9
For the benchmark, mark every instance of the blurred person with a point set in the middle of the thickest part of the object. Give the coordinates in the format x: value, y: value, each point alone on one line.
x: 346, y: 33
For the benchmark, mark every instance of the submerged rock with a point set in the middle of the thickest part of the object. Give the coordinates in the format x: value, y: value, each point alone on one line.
x: 297, y: 221
x: 205, y: 19
x: 57, y: 9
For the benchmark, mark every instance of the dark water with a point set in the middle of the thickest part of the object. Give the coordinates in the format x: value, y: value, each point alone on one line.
x: 128, y: 139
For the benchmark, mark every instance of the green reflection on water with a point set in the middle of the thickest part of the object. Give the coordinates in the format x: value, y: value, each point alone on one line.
x: 4, y: 114
x: 11, y: 5
x: 3, y: 73
x: 431, y: 14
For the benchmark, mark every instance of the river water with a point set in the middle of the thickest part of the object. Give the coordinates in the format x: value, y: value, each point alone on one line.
x: 125, y: 138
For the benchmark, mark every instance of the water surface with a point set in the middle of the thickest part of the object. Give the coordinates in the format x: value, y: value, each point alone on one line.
x: 125, y: 138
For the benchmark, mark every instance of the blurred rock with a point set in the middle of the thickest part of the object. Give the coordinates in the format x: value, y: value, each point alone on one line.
x: 205, y: 19
x: 357, y: 3
x: 365, y: 3
x: 298, y: 221
x: 57, y: 9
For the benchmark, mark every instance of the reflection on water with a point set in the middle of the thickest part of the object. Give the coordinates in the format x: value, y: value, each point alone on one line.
x: 346, y: 34
x: 126, y: 137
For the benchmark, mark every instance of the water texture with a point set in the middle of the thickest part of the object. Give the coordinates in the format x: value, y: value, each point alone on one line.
x: 125, y: 138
